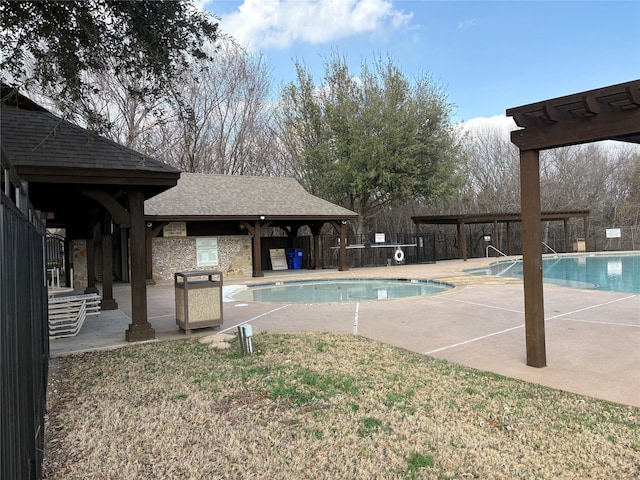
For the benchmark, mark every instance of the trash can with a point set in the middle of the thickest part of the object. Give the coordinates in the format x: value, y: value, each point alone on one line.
x: 198, y: 299
x: 294, y: 256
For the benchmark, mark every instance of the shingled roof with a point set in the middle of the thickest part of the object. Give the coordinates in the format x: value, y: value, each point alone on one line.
x: 38, y: 142
x: 224, y: 197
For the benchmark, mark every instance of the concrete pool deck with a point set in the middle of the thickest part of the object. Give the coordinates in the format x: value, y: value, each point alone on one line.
x: 592, y: 337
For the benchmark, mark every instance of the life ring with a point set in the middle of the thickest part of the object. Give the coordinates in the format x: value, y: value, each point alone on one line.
x: 399, y: 255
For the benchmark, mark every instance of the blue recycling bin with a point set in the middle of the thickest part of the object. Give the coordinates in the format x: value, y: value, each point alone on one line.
x: 294, y: 256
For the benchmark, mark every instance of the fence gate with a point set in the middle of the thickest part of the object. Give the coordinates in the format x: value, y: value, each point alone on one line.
x: 55, y: 259
x: 426, y: 248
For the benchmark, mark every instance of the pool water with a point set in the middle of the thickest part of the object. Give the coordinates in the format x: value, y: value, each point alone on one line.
x: 352, y: 290
x: 615, y: 273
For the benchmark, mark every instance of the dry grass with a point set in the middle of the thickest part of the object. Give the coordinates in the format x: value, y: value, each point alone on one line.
x: 320, y: 406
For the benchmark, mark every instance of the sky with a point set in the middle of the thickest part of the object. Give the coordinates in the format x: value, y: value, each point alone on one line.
x: 487, y: 55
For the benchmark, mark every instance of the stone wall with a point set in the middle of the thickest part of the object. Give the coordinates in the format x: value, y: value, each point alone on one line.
x: 178, y: 254
x: 79, y: 262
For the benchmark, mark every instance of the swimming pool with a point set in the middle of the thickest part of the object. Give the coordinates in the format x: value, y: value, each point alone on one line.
x: 348, y: 290
x: 615, y: 273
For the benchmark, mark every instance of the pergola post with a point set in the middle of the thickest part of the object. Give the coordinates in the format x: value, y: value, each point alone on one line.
x: 341, y: 229
x: 532, y: 257
x: 108, y: 303
x: 566, y: 235
x: 257, y: 251
x: 586, y: 234
x: 343, y: 247
x: 91, y: 259
x: 140, y: 328
x: 317, y: 259
x: 462, y: 242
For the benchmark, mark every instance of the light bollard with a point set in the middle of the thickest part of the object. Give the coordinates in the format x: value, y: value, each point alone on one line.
x: 245, y: 332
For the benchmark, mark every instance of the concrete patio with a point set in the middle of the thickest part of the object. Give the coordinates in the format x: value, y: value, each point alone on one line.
x: 592, y: 337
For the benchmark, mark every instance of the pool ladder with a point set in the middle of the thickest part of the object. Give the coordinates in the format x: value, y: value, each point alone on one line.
x: 491, y: 247
x: 549, y: 248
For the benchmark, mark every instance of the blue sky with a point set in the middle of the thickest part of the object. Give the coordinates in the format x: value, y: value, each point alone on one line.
x: 488, y: 55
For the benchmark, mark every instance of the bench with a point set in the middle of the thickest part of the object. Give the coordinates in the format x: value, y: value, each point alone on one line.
x: 67, y: 314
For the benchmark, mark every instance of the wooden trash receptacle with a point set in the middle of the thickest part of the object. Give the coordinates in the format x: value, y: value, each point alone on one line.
x: 198, y: 299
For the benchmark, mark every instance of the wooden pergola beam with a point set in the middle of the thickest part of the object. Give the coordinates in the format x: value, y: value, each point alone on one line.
x: 607, y: 126
x: 532, y: 258
x: 610, y: 113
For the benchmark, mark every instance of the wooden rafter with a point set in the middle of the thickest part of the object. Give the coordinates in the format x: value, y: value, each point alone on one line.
x: 611, y: 113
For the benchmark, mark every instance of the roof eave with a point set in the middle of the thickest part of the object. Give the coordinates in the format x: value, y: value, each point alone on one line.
x: 97, y: 176
x: 247, y: 218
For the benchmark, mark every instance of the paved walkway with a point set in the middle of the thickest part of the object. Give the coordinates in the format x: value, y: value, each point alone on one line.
x: 592, y: 337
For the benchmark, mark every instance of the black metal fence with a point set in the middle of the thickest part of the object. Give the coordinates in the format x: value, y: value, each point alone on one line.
x: 24, y: 341
x: 55, y: 259
x: 394, y: 249
x: 478, y: 238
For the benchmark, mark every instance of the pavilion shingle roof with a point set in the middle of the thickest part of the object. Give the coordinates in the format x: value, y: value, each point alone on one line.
x: 239, y: 196
x: 37, y: 138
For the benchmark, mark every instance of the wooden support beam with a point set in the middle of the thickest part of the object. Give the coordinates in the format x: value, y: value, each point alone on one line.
x: 257, y: 250
x: 341, y: 229
x: 91, y: 258
x: 604, y: 126
x: 117, y: 211
x: 585, y: 221
x: 343, y: 267
x: 532, y: 258
x: 140, y: 328
x: 151, y: 232
x: 316, y: 228
x: 255, y: 231
x: 462, y: 241
x: 108, y: 302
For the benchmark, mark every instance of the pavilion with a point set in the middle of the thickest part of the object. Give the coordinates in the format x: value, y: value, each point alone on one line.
x: 232, y: 208
x: 78, y: 179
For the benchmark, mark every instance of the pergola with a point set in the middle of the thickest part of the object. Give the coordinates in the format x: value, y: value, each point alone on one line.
x: 79, y: 179
x: 495, y: 218
x: 609, y: 113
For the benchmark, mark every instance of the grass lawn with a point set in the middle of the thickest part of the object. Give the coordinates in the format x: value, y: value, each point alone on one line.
x: 320, y: 406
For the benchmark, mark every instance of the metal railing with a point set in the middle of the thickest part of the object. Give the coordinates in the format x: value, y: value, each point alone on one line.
x: 364, y: 251
x: 24, y: 341
x: 549, y: 248
x: 491, y: 247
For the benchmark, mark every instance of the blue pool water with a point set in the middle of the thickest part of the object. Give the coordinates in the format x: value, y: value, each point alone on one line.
x: 615, y: 273
x: 352, y: 290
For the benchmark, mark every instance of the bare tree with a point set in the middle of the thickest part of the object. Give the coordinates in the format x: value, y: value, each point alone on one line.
x: 223, y: 116
x: 627, y: 187
x: 491, y: 170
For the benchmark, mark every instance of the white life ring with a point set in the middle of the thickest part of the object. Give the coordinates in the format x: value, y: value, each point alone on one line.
x: 399, y: 255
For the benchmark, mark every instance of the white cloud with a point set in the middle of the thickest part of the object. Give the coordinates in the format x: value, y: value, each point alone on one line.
x: 499, y: 124
x: 466, y: 24
x: 260, y: 24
